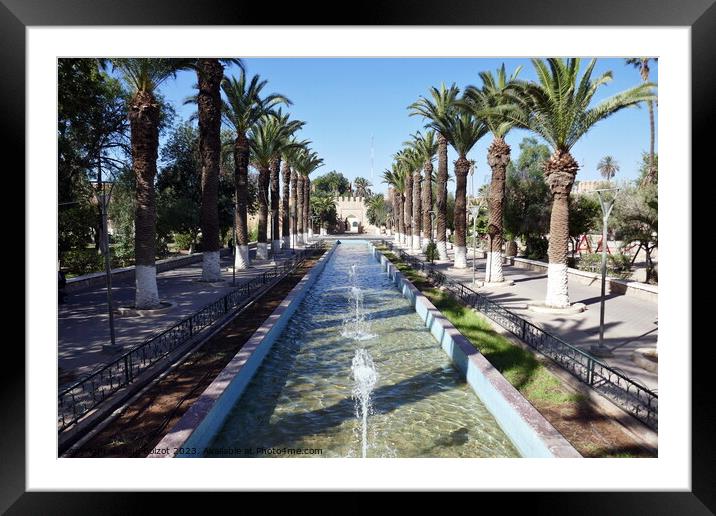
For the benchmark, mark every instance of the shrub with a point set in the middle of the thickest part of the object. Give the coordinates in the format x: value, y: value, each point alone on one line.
x: 618, y: 265
x: 431, y: 251
x: 82, y: 261
x: 183, y: 240
x: 536, y: 247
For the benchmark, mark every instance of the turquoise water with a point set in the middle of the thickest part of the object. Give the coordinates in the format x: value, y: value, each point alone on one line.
x: 300, y: 402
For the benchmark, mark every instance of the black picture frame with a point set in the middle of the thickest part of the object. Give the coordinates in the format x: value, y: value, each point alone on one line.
x: 700, y: 15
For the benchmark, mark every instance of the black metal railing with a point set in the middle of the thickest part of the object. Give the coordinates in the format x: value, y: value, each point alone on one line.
x: 608, y: 380
x: 86, y: 394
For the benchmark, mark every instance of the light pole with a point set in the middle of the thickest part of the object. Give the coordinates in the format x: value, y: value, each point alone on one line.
x: 607, y: 204
x: 233, y: 243
x: 474, y: 211
x: 103, y: 202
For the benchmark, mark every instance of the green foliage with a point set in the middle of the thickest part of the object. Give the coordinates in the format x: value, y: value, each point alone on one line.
x: 527, y: 197
x: 82, y: 261
x: 76, y: 226
x: 558, y: 106
x: 324, y: 207
x: 536, y: 247
x: 378, y: 210
x: 431, y: 251
x: 333, y: 183
x: 584, y: 215
x: 361, y: 187
x: 618, y: 265
x: 184, y: 240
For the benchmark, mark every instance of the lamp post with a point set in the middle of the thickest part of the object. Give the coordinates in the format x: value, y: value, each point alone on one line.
x: 233, y: 243
x: 103, y: 202
x: 607, y: 205
x: 474, y: 211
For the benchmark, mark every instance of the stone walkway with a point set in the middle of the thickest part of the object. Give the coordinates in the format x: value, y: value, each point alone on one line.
x: 630, y: 322
x: 83, y: 322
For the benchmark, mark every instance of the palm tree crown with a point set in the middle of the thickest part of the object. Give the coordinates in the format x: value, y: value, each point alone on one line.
x: 608, y: 167
x: 558, y: 106
x: 244, y: 106
x: 438, y: 110
x: 496, y: 98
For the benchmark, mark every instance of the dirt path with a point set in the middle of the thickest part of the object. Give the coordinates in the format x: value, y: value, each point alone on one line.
x: 143, y: 424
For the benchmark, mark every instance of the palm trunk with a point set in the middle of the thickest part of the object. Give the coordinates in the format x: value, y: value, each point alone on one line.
x: 401, y: 216
x: 408, y: 210
x: 262, y: 245
x: 285, y: 217
x: 395, y: 215
x: 652, y: 136
x: 144, y: 123
x: 242, y: 259
x: 462, y: 167
x: 275, y: 185
x: 308, y: 230
x: 427, y: 203
x: 498, y: 157
x: 560, y: 171
x: 441, y: 200
x: 301, y: 181
x: 210, y: 73
x: 416, y: 210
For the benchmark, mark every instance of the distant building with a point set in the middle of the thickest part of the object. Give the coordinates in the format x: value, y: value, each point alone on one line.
x: 582, y: 187
x: 352, y: 215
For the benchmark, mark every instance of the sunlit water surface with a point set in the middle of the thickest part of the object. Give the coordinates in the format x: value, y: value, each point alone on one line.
x: 304, y: 394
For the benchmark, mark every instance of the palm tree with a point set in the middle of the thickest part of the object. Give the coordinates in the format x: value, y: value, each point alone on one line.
x: 144, y: 76
x: 243, y: 108
x: 438, y: 111
x: 490, y: 102
x: 463, y: 133
x: 269, y: 138
x: 306, y: 163
x: 405, y: 160
x: 426, y: 146
x: 395, y: 178
x: 608, y: 167
x: 642, y: 64
x: 362, y: 187
x: 288, y: 207
x: 322, y: 206
x: 557, y: 108
x: 210, y: 73
x: 286, y: 128
x: 412, y: 161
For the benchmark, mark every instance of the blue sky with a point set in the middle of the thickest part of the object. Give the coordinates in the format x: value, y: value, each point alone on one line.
x: 345, y: 101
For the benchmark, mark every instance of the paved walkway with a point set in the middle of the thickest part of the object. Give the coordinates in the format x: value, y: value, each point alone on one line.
x: 630, y: 322
x: 83, y: 322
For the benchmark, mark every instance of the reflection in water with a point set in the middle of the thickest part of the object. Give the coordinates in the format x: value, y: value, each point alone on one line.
x: 302, y: 397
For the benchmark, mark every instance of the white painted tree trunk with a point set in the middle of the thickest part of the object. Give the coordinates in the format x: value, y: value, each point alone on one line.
x: 416, y: 242
x: 495, y: 274
x: 460, y: 257
x: 211, y: 266
x: 146, y: 293
x: 557, y: 286
x: 242, y: 259
x: 275, y: 246
x: 299, y: 239
x: 442, y: 250
x: 286, y: 242
x: 396, y: 237
x: 262, y: 250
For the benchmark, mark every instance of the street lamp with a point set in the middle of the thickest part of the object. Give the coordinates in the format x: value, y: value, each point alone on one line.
x: 474, y: 211
x: 103, y: 202
x: 234, y: 244
x: 607, y: 204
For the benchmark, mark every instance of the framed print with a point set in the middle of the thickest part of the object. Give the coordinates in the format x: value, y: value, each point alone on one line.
x: 417, y: 248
